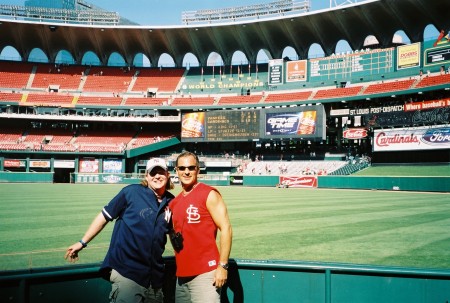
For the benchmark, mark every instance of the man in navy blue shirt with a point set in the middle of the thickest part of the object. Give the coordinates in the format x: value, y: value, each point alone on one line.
x: 134, y: 261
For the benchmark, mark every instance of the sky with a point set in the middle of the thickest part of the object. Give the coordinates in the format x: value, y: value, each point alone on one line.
x: 168, y: 12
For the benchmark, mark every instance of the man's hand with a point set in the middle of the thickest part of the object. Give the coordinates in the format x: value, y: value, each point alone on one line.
x: 220, y: 277
x: 72, y: 252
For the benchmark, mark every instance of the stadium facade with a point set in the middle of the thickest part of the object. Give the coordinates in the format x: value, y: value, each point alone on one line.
x: 387, y: 101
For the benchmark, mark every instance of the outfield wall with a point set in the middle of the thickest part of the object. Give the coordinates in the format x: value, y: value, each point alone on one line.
x: 26, y: 177
x: 438, y: 184
x: 431, y: 184
x: 248, y: 281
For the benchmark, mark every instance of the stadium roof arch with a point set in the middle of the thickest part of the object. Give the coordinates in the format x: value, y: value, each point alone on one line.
x: 352, y: 22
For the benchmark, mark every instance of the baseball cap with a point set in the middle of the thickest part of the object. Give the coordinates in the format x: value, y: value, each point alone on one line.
x: 156, y: 162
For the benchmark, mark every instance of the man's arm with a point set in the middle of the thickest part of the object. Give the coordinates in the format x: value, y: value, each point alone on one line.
x: 218, y: 210
x: 94, y: 229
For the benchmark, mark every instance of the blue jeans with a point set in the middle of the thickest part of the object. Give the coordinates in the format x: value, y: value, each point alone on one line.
x: 197, y: 289
x: 125, y: 290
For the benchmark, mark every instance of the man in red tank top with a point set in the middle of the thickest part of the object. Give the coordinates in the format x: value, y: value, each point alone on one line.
x: 198, y: 212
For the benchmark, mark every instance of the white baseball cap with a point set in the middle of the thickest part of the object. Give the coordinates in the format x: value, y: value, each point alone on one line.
x: 156, y: 162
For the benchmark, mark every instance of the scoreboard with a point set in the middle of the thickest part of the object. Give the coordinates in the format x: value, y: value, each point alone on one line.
x: 221, y: 125
x: 359, y: 63
x: 306, y: 122
x: 438, y: 55
x: 237, y: 125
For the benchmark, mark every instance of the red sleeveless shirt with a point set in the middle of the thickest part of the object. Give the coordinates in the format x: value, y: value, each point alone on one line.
x: 191, y: 217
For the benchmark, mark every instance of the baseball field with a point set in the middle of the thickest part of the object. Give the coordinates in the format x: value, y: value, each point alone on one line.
x: 392, y: 228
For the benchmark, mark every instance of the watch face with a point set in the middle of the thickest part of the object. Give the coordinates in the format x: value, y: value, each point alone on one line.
x: 224, y: 265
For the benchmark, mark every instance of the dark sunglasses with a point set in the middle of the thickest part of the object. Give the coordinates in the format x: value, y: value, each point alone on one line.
x: 154, y: 172
x: 183, y: 168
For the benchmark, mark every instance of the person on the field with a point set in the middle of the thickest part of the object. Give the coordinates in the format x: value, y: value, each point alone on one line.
x: 198, y: 212
x: 134, y: 263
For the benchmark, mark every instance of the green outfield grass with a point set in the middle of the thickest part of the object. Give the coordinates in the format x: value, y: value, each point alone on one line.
x: 39, y: 221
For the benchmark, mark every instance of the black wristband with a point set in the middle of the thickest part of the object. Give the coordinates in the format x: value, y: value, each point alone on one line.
x: 84, y: 244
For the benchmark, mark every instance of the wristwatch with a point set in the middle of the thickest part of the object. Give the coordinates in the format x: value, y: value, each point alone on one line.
x: 224, y: 265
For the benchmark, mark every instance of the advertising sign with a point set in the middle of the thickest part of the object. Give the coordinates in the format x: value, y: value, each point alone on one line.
x: 417, y: 138
x: 306, y: 122
x: 296, y: 71
x: 408, y: 55
x: 14, y: 163
x: 193, y: 125
x: 300, y: 181
x: 112, y: 166
x: 39, y: 164
x: 112, y: 179
x: 355, y: 133
x: 64, y: 164
x: 88, y: 166
x: 296, y: 123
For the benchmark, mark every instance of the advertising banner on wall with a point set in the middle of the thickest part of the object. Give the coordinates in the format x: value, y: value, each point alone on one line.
x: 112, y: 166
x: 355, y: 133
x: 39, y: 164
x: 193, y: 125
x: 14, y: 163
x: 306, y: 122
x: 295, y: 123
x: 413, y: 113
x: 298, y: 181
x: 408, y: 56
x: 296, y: 70
x: 88, y: 166
x: 415, y: 138
x: 64, y: 164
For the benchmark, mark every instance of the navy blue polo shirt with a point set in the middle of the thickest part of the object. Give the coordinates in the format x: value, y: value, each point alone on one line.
x: 139, y: 235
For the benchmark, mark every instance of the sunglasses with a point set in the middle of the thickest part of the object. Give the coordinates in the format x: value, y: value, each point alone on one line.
x: 154, y: 172
x: 183, y: 168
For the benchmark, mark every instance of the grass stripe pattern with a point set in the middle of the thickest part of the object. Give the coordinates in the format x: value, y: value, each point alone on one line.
x: 408, y: 229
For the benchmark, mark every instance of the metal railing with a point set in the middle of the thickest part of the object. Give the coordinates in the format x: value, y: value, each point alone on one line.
x: 41, y: 14
x: 257, y: 11
x: 248, y: 281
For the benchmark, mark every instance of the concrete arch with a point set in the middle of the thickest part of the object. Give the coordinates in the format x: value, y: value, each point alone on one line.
x: 90, y: 58
x: 64, y: 57
x: 263, y: 56
x: 239, y: 58
x: 290, y: 53
x: 10, y: 53
x: 190, y: 60
x: 315, y: 51
x: 38, y: 55
x: 115, y: 59
x: 342, y: 47
x: 141, y: 60
x: 214, y: 59
x: 166, y: 60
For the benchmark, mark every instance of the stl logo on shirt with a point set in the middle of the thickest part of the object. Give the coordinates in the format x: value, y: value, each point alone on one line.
x: 192, y: 214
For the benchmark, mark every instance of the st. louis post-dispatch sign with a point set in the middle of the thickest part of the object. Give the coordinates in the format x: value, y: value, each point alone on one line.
x: 415, y: 138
